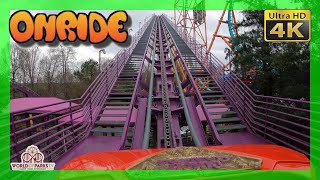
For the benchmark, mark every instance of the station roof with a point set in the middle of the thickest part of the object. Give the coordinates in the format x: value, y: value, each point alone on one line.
x: 34, y: 102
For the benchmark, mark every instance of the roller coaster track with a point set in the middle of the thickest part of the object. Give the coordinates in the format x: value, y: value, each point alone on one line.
x: 23, y: 89
x: 149, y: 92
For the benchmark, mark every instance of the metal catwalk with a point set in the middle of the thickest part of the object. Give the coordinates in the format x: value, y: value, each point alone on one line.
x: 158, y: 94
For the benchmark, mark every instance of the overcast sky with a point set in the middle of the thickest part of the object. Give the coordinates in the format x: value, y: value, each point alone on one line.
x: 85, y: 52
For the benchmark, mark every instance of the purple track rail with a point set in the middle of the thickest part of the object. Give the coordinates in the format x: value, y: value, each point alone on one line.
x: 133, y: 100
x: 56, y: 138
x: 28, y: 92
x: 199, y: 130
x: 278, y: 120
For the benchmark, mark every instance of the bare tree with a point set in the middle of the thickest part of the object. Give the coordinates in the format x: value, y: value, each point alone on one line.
x: 14, y: 60
x: 22, y: 60
x: 67, y: 55
x: 31, y: 64
x: 33, y: 67
x: 105, y: 61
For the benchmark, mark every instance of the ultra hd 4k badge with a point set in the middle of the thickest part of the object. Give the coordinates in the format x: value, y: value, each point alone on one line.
x: 287, y: 25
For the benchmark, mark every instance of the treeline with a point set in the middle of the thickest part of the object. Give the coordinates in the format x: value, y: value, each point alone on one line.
x: 276, y: 69
x: 52, y: 72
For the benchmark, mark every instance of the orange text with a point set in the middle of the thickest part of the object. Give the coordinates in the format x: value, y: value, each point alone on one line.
x: 68, y: 26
